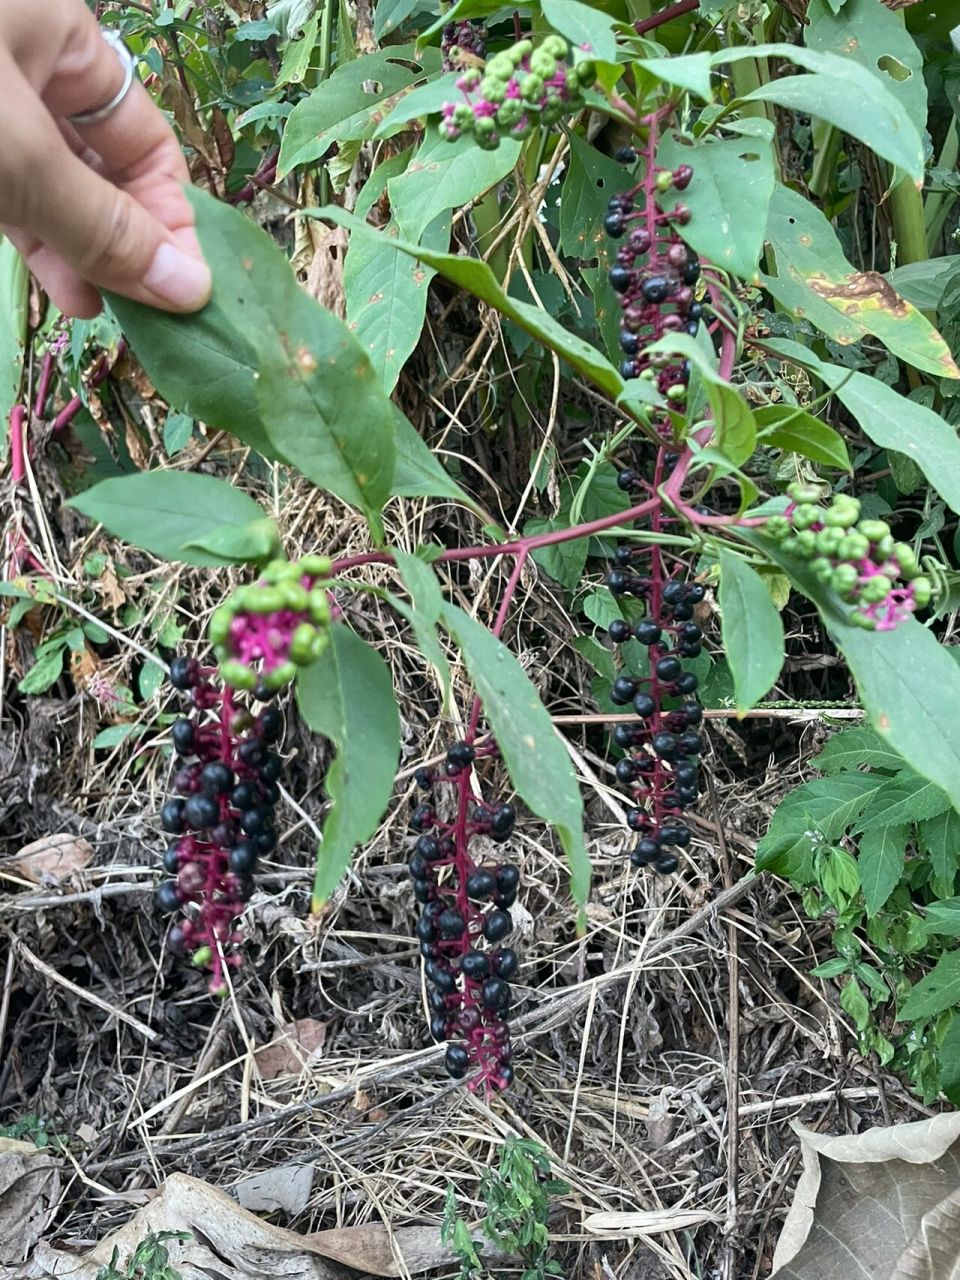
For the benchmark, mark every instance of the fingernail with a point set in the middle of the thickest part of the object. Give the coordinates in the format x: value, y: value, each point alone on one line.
x: 178, y: 279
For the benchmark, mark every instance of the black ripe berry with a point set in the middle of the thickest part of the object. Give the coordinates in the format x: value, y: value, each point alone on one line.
x: 475, y: 965
x: 664, y: 744
x: 423, y: 817
x: 644, y: 706
x: 502, y: 823
x: 687, y: 682
x: 496, y: 926
x: 167, y: 897
x: 505, y: 962
x: 216, y: 778
x: 270, y: 724
x: 623, y: 691
x: 243, y: 859
x: 183, y: 735
x: 183, y: 672
x: 668, y: 668
x: 417, y: 867
x: 481, y: 885
x: 693, y: 711
x: 689, y: 744
x: 457, y: 1060
x: 613, y: 225
x: 623, y: 735
x: 674, y: 591
x: 626, y: 770
x: 171, y: 817
x: 438, y: 1027
x: 426, y: 930
x: 171, y: 858
x: 666, y: 863
x: 656, y: 289
x: 495, y: 993
x: 451, y: 923
x: 201, y: 812
x: 696, y: 591
x: 428, y: 848
x: 646, y: 632
x: 625, y: 155
x: 424, y: 778
x: 252, y: 752
x: 244, y: 795
x: 627, y: 480
x: 620, y: 279
x: 270, y: 768
x: 619, y: 630
x: 460, y: 754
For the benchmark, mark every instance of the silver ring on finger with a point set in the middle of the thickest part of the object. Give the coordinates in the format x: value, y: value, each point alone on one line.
x: 128, y: 63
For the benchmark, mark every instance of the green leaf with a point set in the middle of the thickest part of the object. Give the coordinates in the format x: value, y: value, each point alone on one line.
x: 418, y: 472
x: 535, y: 757
x: 814, y: 279
x: 14, y: 293
x: 752, y: 630
x: 881, y: 857
x: 116, y: 734
x: 796, y: 431
x: 735, y: 430
x: 855, y: 747
x: 936, y: 991
x: 425, y: 100
x: 470, y: 9
x: 728, y: 199
x: 390, y: 14
x: 347, y: 695
x: 563, y: 561
x: 387, y: 296
x: 588, y: 29
x: 923, y: 283
x: 870, y: 35
x: 477, y: 278
x: 903, y: 799
x: 177, y: 431
x: 686, y: 71
x: 351, y: 104
x: 45, y: 671
x: 809, y: 816
x: 267, y: 362
x: 854, y: 1002
x: 170, y: 513
x: 944, y: 918
x: 424, y: 591
x: 845, y: 95
x: 296, y: 56
x: 940, y: 838
x: 239, y: 544
x: 950, y: 1062
x: 444, y: 175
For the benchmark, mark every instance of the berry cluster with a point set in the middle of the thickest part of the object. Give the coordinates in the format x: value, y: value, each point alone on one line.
x: 660, y: 752
x: 266, y: 630
x: 221, y: 820
x: 857, y: 557
x: 465, y: 919
x: 655, y: 274
x: 520, y: 89
x: 461, y: 42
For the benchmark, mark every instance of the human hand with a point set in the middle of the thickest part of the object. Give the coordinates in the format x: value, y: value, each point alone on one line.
x: 90, y: 204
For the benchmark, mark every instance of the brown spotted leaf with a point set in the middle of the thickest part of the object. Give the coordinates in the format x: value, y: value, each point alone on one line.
x: 56, y: 856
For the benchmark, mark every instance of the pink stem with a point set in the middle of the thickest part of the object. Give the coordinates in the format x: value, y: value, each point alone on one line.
x: 75, y: 403
x: 18, y: 419
x: 665, y: 15
x: 43, y: 385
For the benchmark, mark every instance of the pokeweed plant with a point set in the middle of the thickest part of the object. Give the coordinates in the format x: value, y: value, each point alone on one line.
x: 681, y: 238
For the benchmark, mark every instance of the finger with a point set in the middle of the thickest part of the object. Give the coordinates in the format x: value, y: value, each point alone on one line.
x: 99, y: 230
x: 65, y: 289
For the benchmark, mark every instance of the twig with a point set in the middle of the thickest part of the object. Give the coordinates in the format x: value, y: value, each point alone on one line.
x: 147, y: 1032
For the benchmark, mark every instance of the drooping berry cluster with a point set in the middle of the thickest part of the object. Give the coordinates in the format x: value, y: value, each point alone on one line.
x: 654, y: 274
x: 520, y: 89
x: 461, y: 42
x: 265, y: 631
x: 222, y: 819
x: 465, y: 918
x: 659, y: 765
x: 857, y: 558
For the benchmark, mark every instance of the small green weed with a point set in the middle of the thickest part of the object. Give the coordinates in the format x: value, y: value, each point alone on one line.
x: 149, y: 1261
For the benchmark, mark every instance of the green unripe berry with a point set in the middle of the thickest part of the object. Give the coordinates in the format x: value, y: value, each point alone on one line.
x: 264, y: 599
x: 500, y: 67
x: 844, y: 579
x: 842, y: 513
x: 201, y: 957
x: 301, y: 644
x: 858, y: 619
x: 828, y: 540
x: 493, y: 90
x: 875, y: 589
x: 463, y: 116
x: 874, y: 529
x: 884, y: 547
x: 806, y: 543
x: 777, y: 528
x: 905, y: 558
x: 922, y: 591
x: 320, y: 642
x: 219, y: 628
x: 521, y: 131
x: 556, y: 46
x: 586, y: 74
x: 295, y: 596
x: 316, y: 566
x: 280, y: 675
x: 798, y: 492
x: 522, y: 49
x: 853, y: 546
x: 472, y: 77
x: 485, y: 129
x: 237, y: 675
x: 805, y: 515
x: 552, y: 112
x: 531, y: 86
x: 822, y: 568
x: 510, y: 113
x: 319, y: 607
x: 664, y: 181
x: 542, y: 65
x: 677, y: 392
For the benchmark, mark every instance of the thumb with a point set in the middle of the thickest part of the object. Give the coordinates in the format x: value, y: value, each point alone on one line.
x: 109, y: 238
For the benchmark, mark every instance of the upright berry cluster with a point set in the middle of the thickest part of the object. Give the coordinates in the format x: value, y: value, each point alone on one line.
x: 857, y: 557
x: 465, y: 918
x: 221, y: 821
x: 265, y: 631
x: 520, y: 89
x: 460, y: 43
x: 659, y: 765
x: 655, y: 274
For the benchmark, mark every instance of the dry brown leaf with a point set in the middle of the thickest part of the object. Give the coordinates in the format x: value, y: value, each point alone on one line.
x: 228, y: 1242
x: 84, y: 666
x: 881, y: 1205
x: 29, y: 1182
x: 58, y: 856
x: 299, y: 1043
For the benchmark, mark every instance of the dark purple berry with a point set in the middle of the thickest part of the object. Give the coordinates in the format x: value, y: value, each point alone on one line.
x: 265, y: 841
x: 423, y: 817
x: 256, y: 819
x: 201, y: 812
x: 424, y: 778
x: 613, y: 225
x: 461, y: 754
x: 475, y: 965
x: 656, y: 289
x: 417, y: 867
x: 243, y: 859
x: 689, y: 744
x: 664, y: 744
x: 427, y: 930
x: 620, y: 278
x: 167, y: 897
x: 496, y: 926
x: 270, y: 724
x: 438, y: 1027
x: 495, y: 993
x: 502, y: 823
x: 171, y: 817
x: 456, y: 1060
x: 451, y: 923
x: 644, y: 705
x: 216, y: 778
x: 619, y: 630
x: 623, y: 691
x: 271, y: 768
x: 183, y: 735
x: 647, y: 632
x: 668, y: 668
x: 428, y: 848
x: 666, y: 863
x: 184, y: 672
x: 171, y: 858
x: 505, y: 962
x: 251, y: 752
x: 481, y: 885
x: 627, y: 480
x: 687, y: 682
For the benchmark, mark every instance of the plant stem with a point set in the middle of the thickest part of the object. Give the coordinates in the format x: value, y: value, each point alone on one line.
x: 939, y: 203
x: 666, y: 15
x: 326, y: 58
